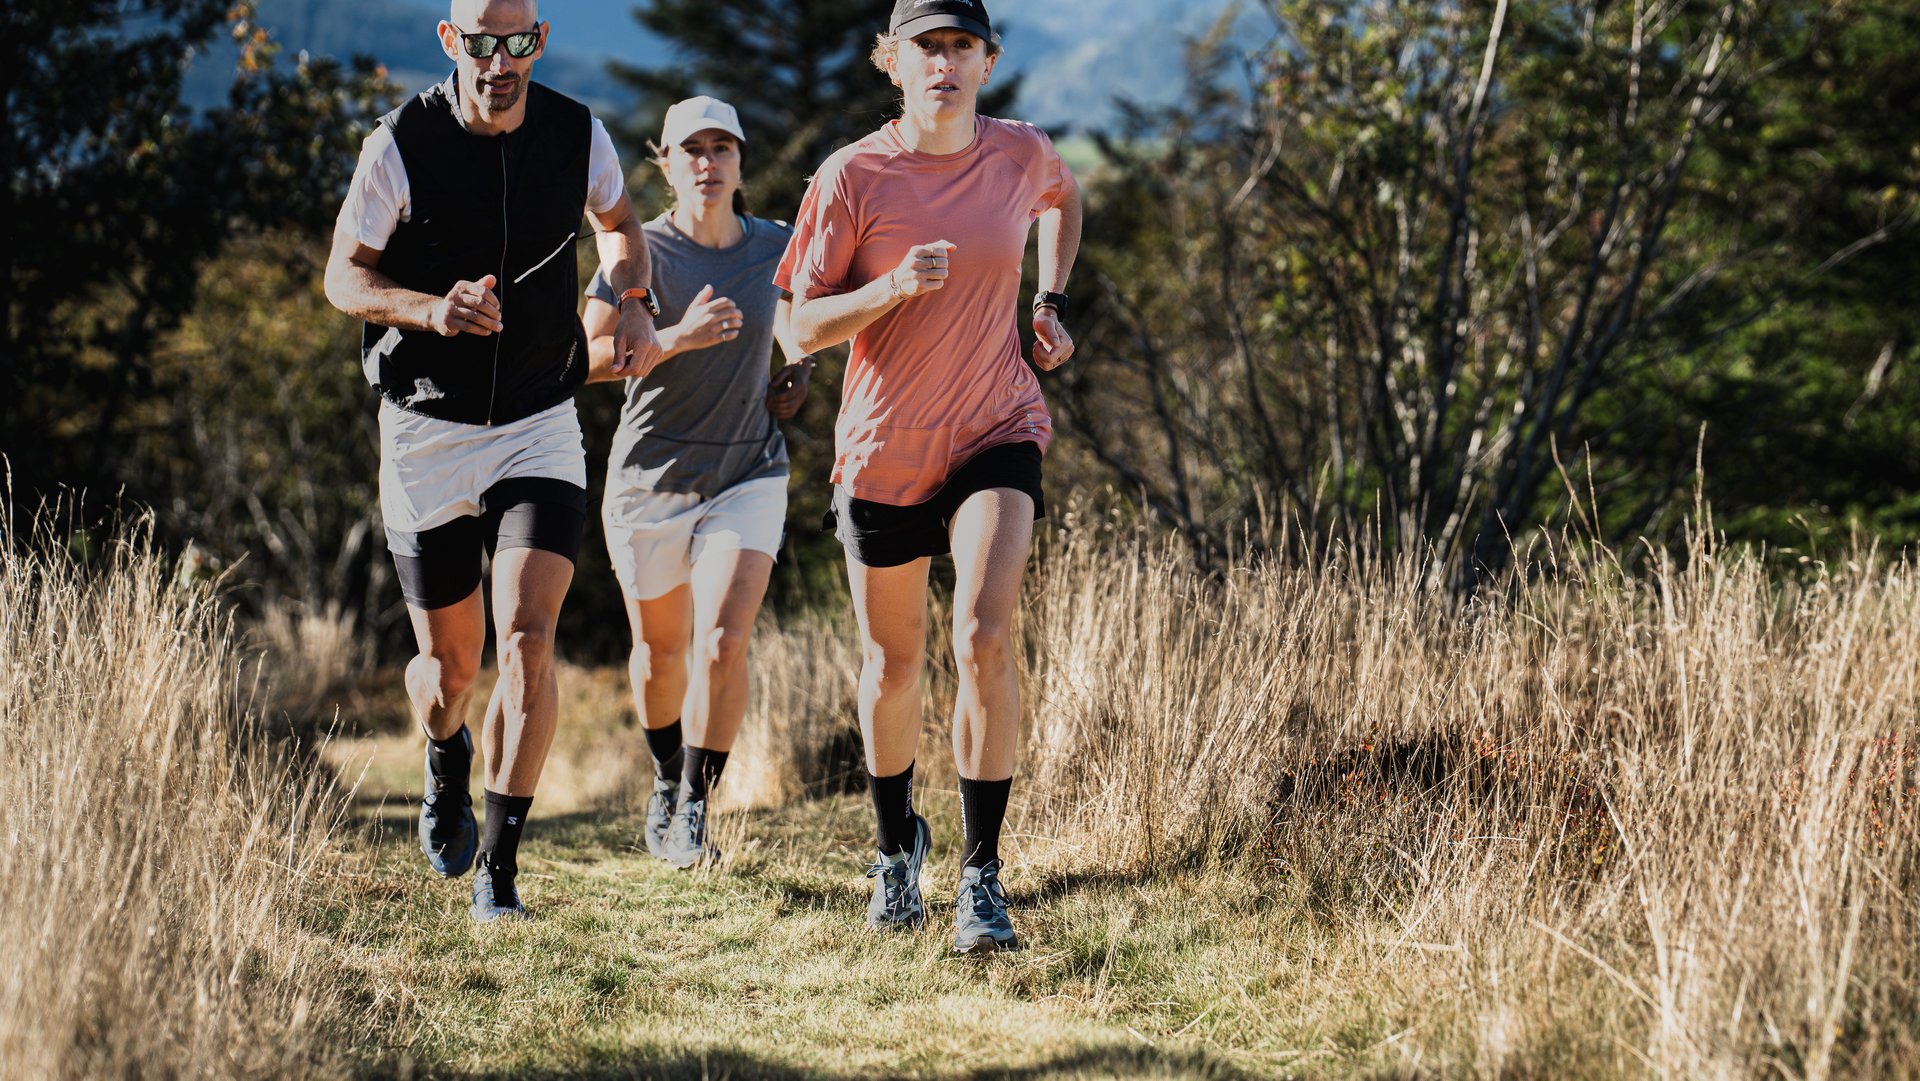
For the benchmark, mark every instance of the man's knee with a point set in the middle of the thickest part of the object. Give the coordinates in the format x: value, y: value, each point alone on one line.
x: 527, y: 651
x: 451, y: 672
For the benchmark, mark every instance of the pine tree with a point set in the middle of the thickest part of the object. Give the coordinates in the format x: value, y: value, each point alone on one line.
x: 798, y: 71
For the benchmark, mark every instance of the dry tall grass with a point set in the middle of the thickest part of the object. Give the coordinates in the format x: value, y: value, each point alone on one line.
x: 1599, y: 822
x: 156, y: 853
x: 1623, y: 824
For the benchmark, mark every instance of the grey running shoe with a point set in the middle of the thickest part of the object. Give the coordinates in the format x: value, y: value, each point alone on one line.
x: 980, y: 923
x: 686, y: 841
x: 660, y: 815
x: 494, y: 898
x: 448, y: 833
x: 896, y: 902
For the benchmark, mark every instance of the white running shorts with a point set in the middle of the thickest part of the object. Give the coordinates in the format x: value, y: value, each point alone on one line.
x: 433, y: 471
x: 655, y: 538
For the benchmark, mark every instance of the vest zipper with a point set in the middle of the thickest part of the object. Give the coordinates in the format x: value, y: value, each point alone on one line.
x: 500, y: 283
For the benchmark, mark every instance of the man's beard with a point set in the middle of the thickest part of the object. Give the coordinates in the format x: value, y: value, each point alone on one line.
x: 494, y: 104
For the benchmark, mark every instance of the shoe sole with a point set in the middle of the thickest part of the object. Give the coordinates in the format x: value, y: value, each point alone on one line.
x: 982, y: 946
x: 701, y: 860
x: 918, y: 921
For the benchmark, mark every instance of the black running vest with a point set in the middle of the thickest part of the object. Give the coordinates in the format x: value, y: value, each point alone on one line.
x: 507, y: 205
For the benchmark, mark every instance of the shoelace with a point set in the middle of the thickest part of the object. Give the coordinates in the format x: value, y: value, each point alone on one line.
x: 989, y: 897
x: 893, y: 880
x: 695, y: 816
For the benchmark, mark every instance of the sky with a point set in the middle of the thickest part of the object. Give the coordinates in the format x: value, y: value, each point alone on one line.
x: 1076, y: 57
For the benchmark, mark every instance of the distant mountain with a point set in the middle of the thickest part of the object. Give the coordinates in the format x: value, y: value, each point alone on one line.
x: 1075, y: 57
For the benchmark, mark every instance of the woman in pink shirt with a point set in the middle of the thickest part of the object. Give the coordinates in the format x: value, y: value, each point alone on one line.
x: 909, y: 242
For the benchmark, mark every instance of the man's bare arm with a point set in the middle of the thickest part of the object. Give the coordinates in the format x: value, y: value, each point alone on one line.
x: 355, y: 285
x: 624, y: 257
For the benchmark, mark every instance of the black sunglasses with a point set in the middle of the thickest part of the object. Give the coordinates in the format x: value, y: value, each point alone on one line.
x: 481, y: 46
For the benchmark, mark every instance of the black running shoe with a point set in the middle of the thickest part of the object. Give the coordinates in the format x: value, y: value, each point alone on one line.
x: 448, y: 833
x: 494, y: 897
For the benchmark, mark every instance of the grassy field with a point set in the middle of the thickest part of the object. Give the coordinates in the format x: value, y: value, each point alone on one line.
x: 761, y: 967
x: 1289, y: 819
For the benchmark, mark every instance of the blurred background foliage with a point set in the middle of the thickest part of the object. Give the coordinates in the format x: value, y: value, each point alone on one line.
x: 1417, y: 269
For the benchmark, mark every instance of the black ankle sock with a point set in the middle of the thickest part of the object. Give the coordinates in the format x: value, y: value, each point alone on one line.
x: 701, y: 772
x: 449, y: 760
x: 664, y: 744
x: 500, y: 834
x: 892, y: 810
x: 983, y: 807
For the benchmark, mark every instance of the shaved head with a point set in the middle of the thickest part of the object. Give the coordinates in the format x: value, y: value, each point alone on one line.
x: 470, y: 13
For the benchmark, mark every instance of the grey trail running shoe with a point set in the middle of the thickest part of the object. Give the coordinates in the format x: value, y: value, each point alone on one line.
x: 686, y: 841
x: 896, y: 903
x: 494, y: 898
x: 660, y: 815
x: 448, y: 833
x: 980, y: 923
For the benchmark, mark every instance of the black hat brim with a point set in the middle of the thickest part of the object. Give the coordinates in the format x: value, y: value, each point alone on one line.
x: 920, y: 24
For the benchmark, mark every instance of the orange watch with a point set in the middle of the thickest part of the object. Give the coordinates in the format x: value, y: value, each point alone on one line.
x: 645, y: 296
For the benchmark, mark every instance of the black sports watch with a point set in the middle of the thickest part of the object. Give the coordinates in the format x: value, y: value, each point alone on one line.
x: 1056, y: 301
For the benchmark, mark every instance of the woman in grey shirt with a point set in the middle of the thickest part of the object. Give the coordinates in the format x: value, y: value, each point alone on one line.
x: 696, y: 496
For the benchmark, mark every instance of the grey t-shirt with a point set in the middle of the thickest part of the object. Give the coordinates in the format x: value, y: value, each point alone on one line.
x: 699, y: 422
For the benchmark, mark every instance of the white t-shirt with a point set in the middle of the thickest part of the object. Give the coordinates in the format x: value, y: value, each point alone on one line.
x: 378, y: 199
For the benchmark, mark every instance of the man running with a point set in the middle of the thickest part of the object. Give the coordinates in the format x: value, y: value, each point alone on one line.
x: 456, y: 246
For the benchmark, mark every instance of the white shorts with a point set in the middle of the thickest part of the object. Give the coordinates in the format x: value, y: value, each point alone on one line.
x: 433, y: 471
x: 655, y: 538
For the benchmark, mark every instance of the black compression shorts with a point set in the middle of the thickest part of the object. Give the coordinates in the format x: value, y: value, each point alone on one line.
x: 883, y: 535
x: 441, y: 566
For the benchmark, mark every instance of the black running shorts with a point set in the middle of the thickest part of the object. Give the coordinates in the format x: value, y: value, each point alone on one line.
x: 441, y: 566
x: 883, y: 535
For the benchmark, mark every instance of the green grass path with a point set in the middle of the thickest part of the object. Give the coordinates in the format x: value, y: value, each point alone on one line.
x: 762, y: 967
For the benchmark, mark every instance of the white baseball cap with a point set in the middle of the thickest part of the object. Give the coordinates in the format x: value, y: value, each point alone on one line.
x: 699, y: 114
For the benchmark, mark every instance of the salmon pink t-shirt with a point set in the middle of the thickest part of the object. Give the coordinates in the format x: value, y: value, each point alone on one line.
x: 940, y: 377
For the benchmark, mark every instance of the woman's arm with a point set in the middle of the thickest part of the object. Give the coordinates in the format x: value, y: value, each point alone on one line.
x: 709, y: 320
x: 1059, y: 246
x: 830, y: 320
x: 787, y: 390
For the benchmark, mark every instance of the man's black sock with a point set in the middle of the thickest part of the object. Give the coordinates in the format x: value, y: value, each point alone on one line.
x: 701, y: 772
x: 449, y: 760
x: 664, y: 743
x: 983, y: 807
x: 500, y: 834
x: 892, y: 810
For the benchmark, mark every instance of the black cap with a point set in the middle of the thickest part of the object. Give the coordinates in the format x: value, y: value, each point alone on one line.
x: 912, y: 17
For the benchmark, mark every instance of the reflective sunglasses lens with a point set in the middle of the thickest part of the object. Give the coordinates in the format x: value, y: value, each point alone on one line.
x: 521, y: 46
x: 481, y: 46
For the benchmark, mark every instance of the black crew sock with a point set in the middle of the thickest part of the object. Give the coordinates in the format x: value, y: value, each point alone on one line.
x: 449, y: 760
x: 701, y: 772
x: 892, y: 810
x: 983, y: 807
x: 500, y: 835
x: 664, y: 744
